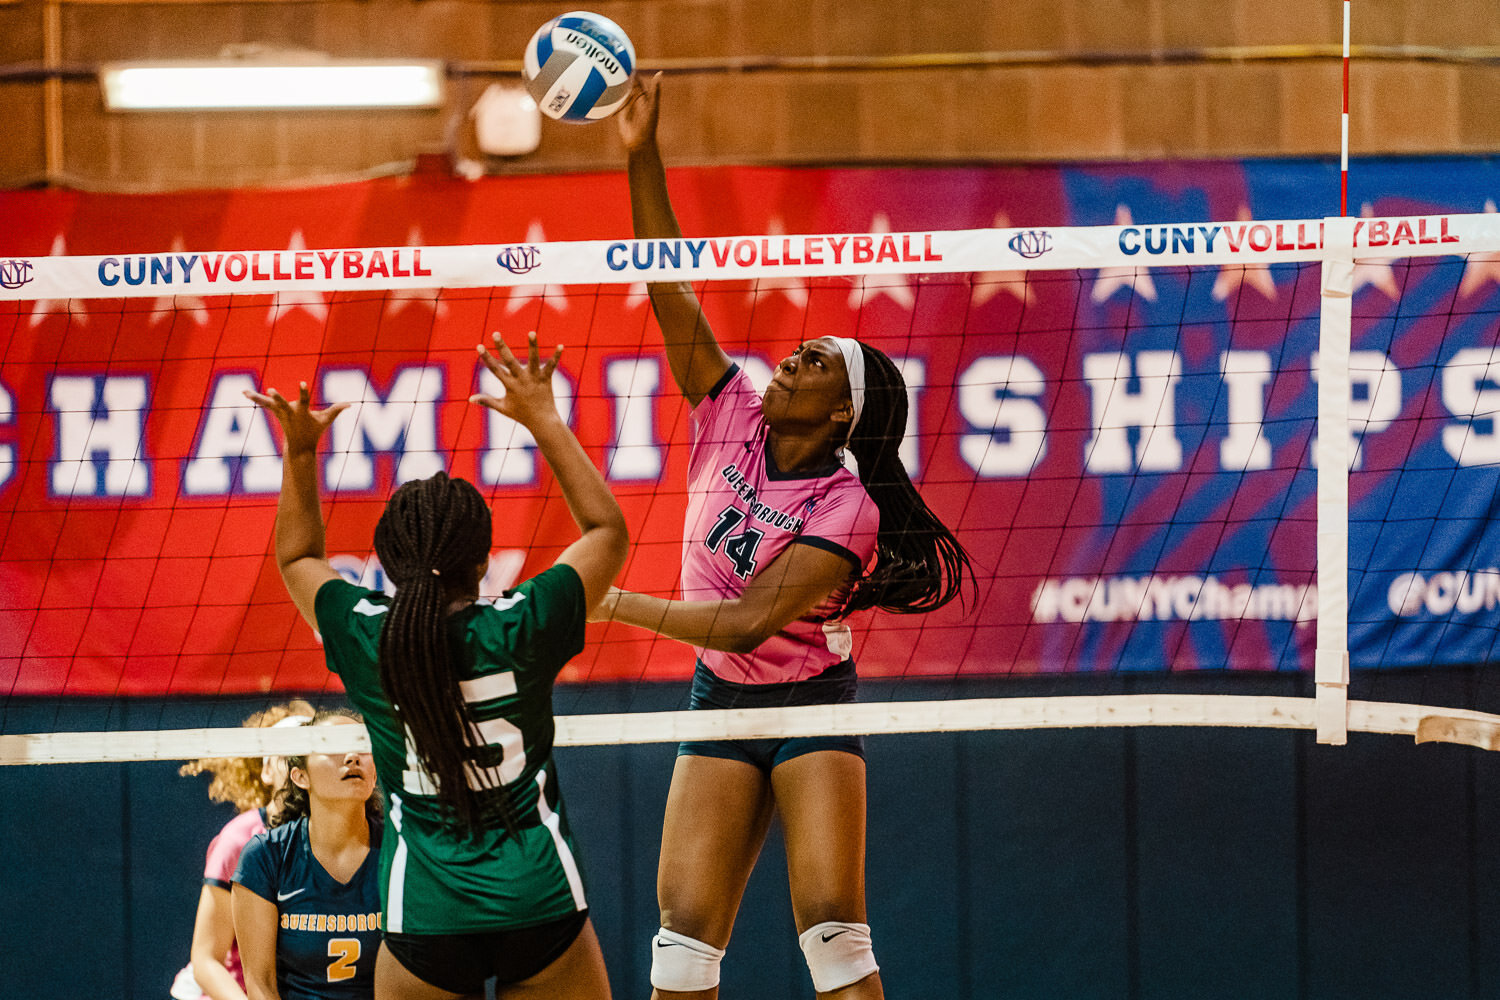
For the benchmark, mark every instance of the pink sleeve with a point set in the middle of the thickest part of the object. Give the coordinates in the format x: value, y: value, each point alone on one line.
x: 225, y: 849
x: 730, y: 415
x: 846, y: 521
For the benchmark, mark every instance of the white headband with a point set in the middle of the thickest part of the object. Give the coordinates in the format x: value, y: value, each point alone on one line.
x: 854, y: 364
x: 292, y: 720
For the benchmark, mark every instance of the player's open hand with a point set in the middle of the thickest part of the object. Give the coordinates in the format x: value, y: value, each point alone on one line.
x: 528, y: 397
x: 637, y: 119
x: 302, y: 425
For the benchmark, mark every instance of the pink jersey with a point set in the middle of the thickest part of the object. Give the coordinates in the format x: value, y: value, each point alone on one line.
x: 223, y: 857
x: 743, y: 511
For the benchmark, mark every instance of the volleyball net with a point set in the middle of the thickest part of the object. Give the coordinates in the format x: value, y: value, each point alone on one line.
x: 1234, y: 448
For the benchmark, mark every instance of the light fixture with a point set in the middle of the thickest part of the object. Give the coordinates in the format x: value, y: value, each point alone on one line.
x: 507, y: 121
x: 272, y: 82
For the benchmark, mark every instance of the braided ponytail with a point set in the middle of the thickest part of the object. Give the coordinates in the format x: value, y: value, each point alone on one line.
x: 431, y: 536
x: 919, y: 564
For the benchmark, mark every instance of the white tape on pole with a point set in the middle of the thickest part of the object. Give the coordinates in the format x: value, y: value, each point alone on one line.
x: 1331, y: 654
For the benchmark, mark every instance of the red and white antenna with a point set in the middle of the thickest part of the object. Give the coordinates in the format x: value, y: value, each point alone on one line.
x: 1344, y: 142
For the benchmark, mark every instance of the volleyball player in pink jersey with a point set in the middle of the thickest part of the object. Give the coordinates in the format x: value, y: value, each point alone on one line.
x: 250, y: 782
x: 782, y: 542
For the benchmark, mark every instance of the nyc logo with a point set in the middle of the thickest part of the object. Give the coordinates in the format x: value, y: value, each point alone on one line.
x: 1032, y: 243
x: 14, y: 273
x: 519, y: 259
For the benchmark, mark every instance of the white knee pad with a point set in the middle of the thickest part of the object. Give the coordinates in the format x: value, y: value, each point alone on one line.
x: 683, y: 964
x: 838, y: 954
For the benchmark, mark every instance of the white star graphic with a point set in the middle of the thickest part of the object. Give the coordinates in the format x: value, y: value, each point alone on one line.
x: 868, y: 286
x: 169, y: 307
x: 552, y: 296
x: 315, y: 304
x: 1378, y: 273
x: 636, y: 294
x: 795, y: 289
x: 1232, y: 276
x: 1480, y: 268
x: 75, y: 314
x: 988, y: 284
x: 397, y: 299
x: 1112, y: 279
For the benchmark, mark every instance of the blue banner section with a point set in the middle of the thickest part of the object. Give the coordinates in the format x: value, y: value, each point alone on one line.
x: 1208, y: 562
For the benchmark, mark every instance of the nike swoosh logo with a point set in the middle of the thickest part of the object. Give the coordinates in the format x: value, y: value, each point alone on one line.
x: 829, y: 937
x: 665, y: 944
x: 282, y: 897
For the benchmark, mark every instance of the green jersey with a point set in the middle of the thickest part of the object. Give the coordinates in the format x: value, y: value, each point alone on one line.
x: 437, y: 877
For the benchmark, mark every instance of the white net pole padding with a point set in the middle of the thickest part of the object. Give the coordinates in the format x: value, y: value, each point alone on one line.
x: 1423, y: 723
x: 1336, y: 320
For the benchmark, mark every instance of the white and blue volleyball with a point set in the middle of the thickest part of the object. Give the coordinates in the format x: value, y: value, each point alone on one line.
x: 578, y: 66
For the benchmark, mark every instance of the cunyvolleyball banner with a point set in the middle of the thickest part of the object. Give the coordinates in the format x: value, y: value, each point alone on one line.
x: 1125, y: 448
x: 374, y: 269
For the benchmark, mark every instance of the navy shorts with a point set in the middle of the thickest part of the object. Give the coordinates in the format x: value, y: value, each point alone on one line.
x: 835, y: 686
x: 460, y: 963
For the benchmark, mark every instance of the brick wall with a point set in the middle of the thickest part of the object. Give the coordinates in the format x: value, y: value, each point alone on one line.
x: 1067, y: 80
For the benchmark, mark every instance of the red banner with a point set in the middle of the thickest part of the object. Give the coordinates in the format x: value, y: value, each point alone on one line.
x: 137, y: 494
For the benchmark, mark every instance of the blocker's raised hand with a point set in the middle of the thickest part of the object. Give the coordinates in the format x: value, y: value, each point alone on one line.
x: 302, y: 425
x: 528, y: 386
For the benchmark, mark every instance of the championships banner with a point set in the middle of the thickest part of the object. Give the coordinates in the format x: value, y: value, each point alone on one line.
x: 1124, y: 449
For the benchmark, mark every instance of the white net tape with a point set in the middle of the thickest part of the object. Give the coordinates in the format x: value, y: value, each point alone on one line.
x: 973, y: 714
x: 731, y: 258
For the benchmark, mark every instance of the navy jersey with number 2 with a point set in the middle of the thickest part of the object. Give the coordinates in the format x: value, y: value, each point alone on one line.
x: 328, y: 931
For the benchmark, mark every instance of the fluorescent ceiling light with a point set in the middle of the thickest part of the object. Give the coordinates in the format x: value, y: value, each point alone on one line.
x: 231, y: 85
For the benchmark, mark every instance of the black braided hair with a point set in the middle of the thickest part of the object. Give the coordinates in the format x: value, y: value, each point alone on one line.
x: 292, y: 802
x: 431, y: 537
x: 919, y: 564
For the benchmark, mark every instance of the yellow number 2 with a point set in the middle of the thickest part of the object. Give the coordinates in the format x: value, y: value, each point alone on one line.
x: 344, y: 952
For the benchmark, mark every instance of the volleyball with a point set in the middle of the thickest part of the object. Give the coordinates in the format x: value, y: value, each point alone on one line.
x: 578, y: 67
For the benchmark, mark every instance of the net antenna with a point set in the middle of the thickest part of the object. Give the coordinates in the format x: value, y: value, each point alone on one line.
x: 1335, y: 336
x: 1331, y: 669
x: 874, y: 260
x: 1344, y: 124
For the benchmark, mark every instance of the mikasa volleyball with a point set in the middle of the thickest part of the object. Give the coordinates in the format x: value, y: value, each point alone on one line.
x: 578, y: 67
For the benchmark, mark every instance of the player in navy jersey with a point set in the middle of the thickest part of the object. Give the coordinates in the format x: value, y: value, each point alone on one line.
x: 479, y: 871
x: 307, y: 891
x: 782, y: 542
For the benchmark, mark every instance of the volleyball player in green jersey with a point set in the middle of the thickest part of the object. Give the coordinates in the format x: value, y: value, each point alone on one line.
x: 479, y: 876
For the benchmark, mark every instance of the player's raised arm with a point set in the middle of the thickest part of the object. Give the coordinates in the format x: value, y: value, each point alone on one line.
x: 599, y: 553
x: 300, y: 552
x: 693, y: 353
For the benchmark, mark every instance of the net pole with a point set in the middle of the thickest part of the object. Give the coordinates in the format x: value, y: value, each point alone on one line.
x: 1331, y: 653
x: 1336, y: 320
